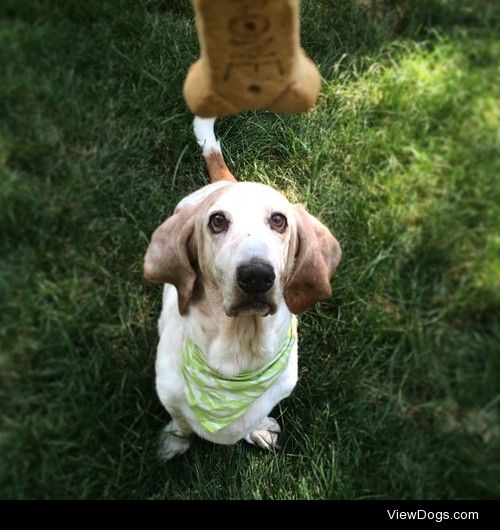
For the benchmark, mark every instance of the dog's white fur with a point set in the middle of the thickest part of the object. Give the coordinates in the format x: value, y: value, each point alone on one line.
x: 205, y: 134
x: 232, y: 337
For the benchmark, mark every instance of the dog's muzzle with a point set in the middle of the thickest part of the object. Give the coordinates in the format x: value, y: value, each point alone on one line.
x: 255, y: 279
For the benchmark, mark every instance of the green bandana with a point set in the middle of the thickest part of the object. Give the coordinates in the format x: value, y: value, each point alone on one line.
x: 217, y: 401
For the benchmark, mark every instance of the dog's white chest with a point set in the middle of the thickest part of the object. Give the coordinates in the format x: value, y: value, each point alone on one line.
x: 171, y: 384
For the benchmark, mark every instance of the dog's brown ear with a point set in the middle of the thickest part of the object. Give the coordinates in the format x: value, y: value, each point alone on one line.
x: 316, y: 256
x: 170, y: 254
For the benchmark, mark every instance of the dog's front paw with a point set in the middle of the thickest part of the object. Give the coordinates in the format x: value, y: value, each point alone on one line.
x: 266, y: 434
x: 172, y: 442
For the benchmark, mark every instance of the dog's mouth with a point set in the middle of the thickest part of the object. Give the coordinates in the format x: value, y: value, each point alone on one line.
x: 256, y: 306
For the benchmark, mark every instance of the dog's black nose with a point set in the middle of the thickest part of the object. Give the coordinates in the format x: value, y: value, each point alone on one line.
x: 255, y: 277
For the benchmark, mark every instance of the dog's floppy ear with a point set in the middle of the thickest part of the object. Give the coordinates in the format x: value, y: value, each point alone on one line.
x: 170, y: 254
x: 316, y: 256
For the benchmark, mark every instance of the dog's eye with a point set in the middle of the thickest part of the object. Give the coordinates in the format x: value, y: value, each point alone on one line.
x: 218, y: 223
x: 278, y: 222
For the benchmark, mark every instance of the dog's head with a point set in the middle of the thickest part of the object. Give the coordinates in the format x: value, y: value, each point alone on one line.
x: 247, y: 242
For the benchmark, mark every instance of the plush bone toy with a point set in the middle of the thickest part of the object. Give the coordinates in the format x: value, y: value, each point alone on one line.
x: 250, y: 58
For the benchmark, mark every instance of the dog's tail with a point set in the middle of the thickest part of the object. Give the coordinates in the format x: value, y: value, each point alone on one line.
x: 216, y: 165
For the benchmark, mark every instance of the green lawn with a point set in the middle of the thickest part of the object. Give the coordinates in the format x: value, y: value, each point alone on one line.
x: 399, y: 371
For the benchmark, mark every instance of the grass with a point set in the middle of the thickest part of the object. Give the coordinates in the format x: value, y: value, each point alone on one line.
x: 398, y: 394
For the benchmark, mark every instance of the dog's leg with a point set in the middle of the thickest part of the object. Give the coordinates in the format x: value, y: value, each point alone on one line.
x: 266, y: 434
x: 205, y: 136
x: 174, y: 439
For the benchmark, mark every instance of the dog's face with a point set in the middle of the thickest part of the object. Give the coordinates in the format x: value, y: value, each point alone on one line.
x: 246, y: 241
